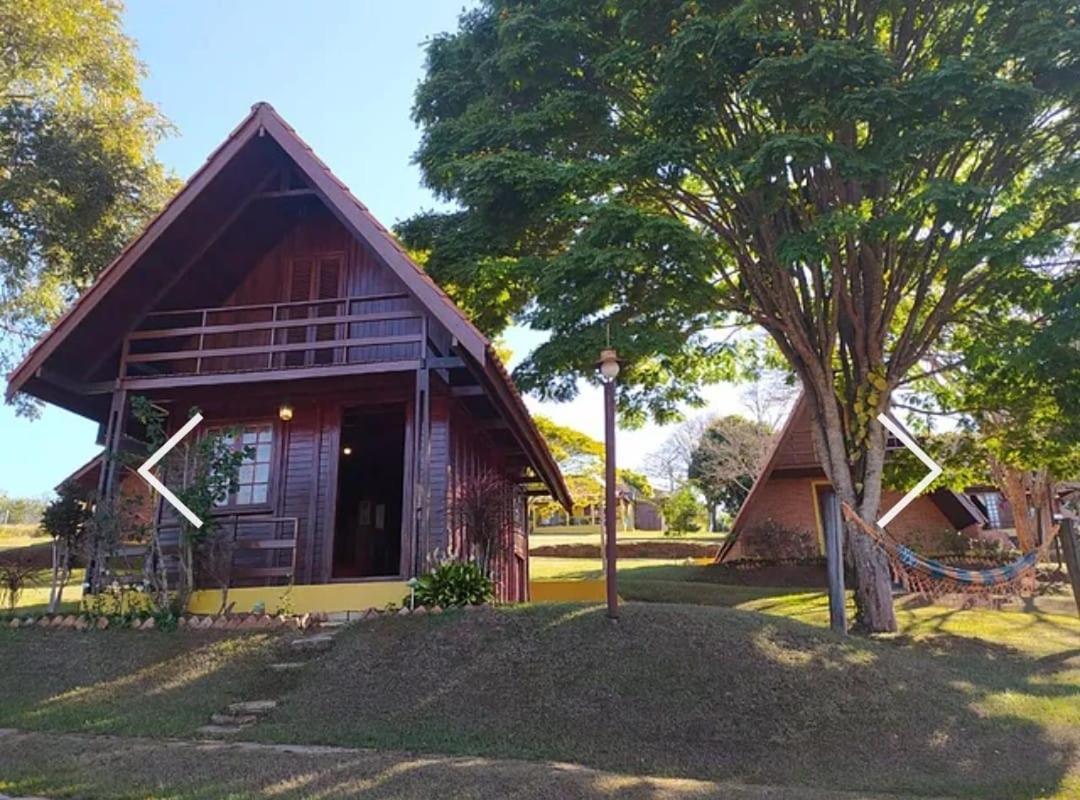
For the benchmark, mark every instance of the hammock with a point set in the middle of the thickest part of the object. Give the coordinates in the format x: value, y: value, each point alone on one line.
x: 928, y: 576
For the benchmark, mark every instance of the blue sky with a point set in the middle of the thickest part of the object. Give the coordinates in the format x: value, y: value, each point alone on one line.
x: 343, y: 74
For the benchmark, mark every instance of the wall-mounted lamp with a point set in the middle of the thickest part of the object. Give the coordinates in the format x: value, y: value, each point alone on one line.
x: 285, y: 412
x: 346, y: 450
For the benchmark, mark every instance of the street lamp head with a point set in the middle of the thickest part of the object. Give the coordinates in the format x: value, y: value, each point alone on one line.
x: 608, y: 364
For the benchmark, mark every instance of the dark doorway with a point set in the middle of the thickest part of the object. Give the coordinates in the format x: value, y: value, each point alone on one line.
x: 371, y: 468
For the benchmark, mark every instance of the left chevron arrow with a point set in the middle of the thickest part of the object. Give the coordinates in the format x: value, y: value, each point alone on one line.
x: 160, y: 487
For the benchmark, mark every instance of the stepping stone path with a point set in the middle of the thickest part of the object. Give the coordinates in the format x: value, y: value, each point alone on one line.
x: 238, y: 716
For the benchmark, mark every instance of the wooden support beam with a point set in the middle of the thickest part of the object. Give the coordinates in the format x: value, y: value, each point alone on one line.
x: 289, y: 374
x: 467, y: 391
x: 76, y: 387
x: 445, y: 362
x: 496, y: 423
x: 1070, y: 548
x: 284, y: 193
x: 177, y: 274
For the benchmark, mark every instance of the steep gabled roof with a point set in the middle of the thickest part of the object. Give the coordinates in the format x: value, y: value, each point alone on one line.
x: 956, y: 508
x: 263, y: 121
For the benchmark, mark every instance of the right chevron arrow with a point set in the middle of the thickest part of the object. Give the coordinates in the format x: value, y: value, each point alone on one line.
x: 918, y: 488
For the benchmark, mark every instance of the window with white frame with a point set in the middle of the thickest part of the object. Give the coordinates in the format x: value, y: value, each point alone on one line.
x: 992, y: 503
x: 254, y: 476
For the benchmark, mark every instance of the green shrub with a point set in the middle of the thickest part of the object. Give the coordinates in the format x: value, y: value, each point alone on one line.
x: 682, y: 512
x: 454, y: 583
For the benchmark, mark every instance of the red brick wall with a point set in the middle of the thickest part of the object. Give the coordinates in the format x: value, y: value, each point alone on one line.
x: 788, y: 503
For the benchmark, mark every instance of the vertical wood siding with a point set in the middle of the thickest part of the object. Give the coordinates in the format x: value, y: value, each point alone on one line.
x: 469, y: 453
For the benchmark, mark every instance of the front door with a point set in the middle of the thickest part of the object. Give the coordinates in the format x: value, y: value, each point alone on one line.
x: 371, y: 470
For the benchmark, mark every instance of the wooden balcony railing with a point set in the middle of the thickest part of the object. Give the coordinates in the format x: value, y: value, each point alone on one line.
x: 250, y: 547
x: 275, y: 336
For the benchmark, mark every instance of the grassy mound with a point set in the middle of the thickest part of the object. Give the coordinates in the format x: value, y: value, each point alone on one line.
x: 699, y: 692
x: 965, y: 703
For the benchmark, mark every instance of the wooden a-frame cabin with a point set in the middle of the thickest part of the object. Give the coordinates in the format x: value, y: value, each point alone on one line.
x: 268, y: 296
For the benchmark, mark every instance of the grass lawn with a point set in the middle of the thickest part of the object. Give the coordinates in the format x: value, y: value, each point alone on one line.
x: 550, y: 568
x: 34, y: 599
x: 123, y: 681
x: 114, y: 767
x: 590, y: 534
x: 967, y: 703
x: 12, y: 536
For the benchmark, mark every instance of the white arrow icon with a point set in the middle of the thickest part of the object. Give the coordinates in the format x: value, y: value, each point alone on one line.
x: 144, y: 470
x: 930, y: 477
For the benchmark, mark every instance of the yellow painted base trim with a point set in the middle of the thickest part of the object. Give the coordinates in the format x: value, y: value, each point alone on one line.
x: 304, y: 598
x: 586, y: 591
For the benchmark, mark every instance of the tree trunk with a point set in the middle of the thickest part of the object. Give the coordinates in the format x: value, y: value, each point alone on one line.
x: 60, y: 576
x: 185, y: 584
x: 874, y: 611
x: 53, y: 602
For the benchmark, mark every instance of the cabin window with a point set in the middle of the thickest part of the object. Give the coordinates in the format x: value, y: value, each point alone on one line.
x: 992, y: 503
x: 254, y: 477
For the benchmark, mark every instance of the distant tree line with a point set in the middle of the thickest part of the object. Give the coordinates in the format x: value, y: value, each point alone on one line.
x: 21, y: 510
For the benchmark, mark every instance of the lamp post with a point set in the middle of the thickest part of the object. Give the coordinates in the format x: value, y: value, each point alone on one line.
x: 608, y: 365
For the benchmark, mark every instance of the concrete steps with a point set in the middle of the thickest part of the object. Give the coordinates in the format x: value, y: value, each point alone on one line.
x: 240, y: 715
x: 286, y: 666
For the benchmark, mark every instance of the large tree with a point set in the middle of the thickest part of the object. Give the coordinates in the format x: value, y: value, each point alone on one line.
x: 729, y: 456
x: 1010, y: 378
x: 853, y: 177
x: 78, y: 175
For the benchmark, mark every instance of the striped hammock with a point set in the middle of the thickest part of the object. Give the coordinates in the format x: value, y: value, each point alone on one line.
x: 928, y: 576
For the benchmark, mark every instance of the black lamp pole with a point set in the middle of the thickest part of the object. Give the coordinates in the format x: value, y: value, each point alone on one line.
x: 609, y: 369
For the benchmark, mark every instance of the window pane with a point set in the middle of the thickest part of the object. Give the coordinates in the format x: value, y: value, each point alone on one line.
x: 243, y: 497
x: 247, y: 474
x: 258, y: 493
x: 262, y: 453
x: 262, y: 473
x: 249, y: 436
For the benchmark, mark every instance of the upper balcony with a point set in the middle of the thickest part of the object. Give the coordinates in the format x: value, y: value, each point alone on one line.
x: 233, y: 344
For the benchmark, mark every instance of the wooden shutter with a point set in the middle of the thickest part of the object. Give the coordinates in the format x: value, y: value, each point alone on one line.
x: 299, y: 290
x: 327, y: 283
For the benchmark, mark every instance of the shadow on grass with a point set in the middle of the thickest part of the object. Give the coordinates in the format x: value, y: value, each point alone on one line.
x: 699, y: 693
x: 121, y: 681
x: 107, y: 768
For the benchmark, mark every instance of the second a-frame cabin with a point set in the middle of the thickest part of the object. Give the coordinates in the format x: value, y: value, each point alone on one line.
x: 267, y: 296
x: 791, y: 501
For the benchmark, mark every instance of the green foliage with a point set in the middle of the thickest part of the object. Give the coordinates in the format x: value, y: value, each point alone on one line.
x: 454, y: 583
x: 649, y: 168
x: 16, y: 574
x: 77, y: 141
x: 209, y: 464
x: 120, y: 602
x: 854, y: 178
x: 576, y: 452
x: 64, y: 517
x: 20, y: 510
x: 636, y: 481
x: 202, y: 472
x: 682, y: 512
x: 727, y: 459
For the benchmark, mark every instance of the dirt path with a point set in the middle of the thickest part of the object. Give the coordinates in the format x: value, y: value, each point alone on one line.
x: 102, y: 767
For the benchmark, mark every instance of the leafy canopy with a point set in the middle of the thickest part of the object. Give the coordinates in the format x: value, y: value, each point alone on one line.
x: 728, y: 457
x: 77, y: 143
x: 852, y: 177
